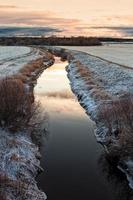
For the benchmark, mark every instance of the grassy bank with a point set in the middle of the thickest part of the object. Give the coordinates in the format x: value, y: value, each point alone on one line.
x: 20, y: 125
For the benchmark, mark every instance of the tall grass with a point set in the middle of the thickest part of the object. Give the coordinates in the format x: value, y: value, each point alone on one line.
x: 16, y: 107
x: 17, y: 186
x: 30, y: 71
x: 115, y: 114
x: 118, y: 118
x: 93, y: 84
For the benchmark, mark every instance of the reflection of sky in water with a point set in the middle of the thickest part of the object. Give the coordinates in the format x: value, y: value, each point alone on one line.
x: 60, y: 108
x: 71, y: 155
x: 54, y: 93
x: 53, y: 79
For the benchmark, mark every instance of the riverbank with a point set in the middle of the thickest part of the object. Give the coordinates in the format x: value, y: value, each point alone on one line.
x: 20, y: 157
x: 97, y: 90
x: 104, y: 90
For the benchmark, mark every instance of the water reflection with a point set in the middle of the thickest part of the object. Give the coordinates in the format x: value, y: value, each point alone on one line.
x: 65, y: 94
x: 54, y: 93
x: 53, y: 79
x: 74, y: 168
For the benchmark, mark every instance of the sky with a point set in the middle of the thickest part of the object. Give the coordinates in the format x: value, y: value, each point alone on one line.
x: 71, y: 17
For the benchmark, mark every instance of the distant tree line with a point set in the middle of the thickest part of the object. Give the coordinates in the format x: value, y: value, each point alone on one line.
x: 55, y: 41
x: 109, y: 39
x: 59, y: 41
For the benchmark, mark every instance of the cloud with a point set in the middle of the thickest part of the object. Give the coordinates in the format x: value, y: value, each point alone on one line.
x: 27, y: 31
x: 7, y: 7
x: 51, y: 23
x: 35, y: 18
x: 125, y: 31
x: 44, y: 19
x: 111, y: 31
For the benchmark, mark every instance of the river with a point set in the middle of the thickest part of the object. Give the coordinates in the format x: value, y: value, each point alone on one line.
x: 73, y: 162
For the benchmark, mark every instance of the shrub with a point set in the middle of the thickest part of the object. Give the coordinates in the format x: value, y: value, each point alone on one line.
x: 99, y: 94
x: 21, y: 77
x: 118, y: 118
x: 83, y: 70
x: 16, y: 185
x: 2, y: 195
x: 31, y: 67
x: 16, y: 107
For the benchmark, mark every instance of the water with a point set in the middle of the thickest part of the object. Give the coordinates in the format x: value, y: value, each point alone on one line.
x: 74, y: 168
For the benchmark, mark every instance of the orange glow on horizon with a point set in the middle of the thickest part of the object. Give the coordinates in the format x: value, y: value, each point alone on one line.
x: 74, y: 17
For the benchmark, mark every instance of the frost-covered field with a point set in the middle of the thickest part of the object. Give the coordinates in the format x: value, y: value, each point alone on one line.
x: 118, y: 53
x: 13, y: 58
x: 13, y: 52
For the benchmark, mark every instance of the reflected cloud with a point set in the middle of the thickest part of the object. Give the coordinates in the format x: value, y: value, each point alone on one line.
x: 59, y: 106
x: 59, y: 94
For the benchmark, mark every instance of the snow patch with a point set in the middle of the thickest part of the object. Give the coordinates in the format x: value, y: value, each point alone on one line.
x: 12, y: 59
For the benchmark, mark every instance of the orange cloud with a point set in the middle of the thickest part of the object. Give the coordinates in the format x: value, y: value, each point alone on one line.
x: 35, y: 18
x: 19, y: 16
x: 7, y: 7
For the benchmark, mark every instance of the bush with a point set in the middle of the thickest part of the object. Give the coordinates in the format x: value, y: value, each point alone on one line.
x: 118, y: 118
x: 16, y: 185
x: 31, y: 67
x: 99, y: 94
x: 16, y: 107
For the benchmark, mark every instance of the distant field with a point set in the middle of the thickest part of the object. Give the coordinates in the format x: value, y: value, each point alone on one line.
x: 12, y: 52
x: 118, y: 53
x: 13, y: 58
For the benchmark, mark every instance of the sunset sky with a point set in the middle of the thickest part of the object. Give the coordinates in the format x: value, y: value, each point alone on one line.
x: 71, y: 17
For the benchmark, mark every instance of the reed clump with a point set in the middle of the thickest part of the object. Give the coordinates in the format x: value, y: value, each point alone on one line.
x: 91, y: 83
x: 118, y: 119
x: 16, y: 106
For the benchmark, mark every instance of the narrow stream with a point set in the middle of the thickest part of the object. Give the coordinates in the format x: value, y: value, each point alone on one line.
x: 71, y: 158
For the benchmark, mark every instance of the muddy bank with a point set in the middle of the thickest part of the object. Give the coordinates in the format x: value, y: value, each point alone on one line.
x: 19, y: 156
x: 105, y: 91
